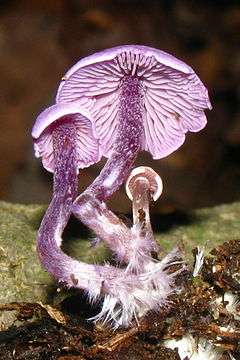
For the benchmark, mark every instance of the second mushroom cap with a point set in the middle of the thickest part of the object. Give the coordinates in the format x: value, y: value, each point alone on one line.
x: 86, y: 144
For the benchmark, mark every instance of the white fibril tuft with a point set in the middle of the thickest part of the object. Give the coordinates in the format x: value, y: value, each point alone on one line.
x: 139, y: 249
x: 199, y: 260
x: 127, y: 301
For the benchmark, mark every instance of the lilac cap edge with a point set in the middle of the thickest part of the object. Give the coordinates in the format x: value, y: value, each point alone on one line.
x: 51, y: 114
x: 180, y: 143
x: 108, y: 54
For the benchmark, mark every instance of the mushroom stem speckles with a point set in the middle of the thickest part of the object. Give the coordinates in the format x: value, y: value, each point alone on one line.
x: 141, y: 198
x: 64, y: 192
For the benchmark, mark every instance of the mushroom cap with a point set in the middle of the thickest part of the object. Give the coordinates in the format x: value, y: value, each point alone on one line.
x: 174, y: 96
x: 87, y: 145
x: 146, y: 173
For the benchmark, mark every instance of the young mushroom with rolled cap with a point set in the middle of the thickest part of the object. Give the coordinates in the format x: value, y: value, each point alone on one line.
x: 141, y: 98
x: 143, y: 186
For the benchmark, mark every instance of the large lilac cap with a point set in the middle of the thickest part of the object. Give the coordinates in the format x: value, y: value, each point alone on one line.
x: 174, y: 96
x: 86, y: 144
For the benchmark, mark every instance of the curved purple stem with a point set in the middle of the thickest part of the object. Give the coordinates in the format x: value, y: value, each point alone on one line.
x: 59, y: 210
x: 65, y: 269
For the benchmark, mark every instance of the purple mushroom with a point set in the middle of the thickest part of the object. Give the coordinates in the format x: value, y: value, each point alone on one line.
x: 63, y: 138
x: 141, y: 99
x: 143, y: 186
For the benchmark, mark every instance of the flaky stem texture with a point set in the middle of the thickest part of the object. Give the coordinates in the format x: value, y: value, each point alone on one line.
x: 59, y: 210
x: 70, y: 272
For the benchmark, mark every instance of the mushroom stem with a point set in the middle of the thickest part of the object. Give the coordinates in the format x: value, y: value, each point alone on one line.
x: 142, y: 241
x: 140, y: 205
x: 89, y: 206
x: 58, y: 213
x: 66, y: 270
x: 127, y: 146
x: 128, y: 141
x: 105, y: 224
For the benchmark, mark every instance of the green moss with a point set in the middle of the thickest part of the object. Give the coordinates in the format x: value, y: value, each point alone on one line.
x: 209, y: 227
x: 21, y: 277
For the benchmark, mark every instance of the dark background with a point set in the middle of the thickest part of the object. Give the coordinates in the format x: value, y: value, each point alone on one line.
x: 40, y: 40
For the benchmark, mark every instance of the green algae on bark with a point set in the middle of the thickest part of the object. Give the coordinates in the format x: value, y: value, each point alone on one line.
x: 22, y: 278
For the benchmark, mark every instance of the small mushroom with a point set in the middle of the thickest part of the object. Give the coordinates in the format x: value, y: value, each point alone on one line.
x: 84, y: 142
x: 143, y: 186
x: 141, y: 99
